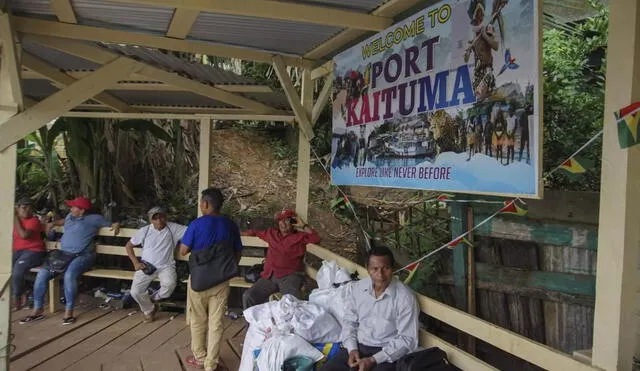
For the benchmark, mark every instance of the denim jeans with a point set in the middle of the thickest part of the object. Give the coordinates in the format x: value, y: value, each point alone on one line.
x: 78, y: 266
x: 23, y: 260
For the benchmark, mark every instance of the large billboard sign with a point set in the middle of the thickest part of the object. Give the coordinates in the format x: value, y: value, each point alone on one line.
x: 447, y: 100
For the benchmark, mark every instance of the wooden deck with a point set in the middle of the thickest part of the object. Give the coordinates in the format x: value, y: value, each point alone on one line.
x: 112, y: 340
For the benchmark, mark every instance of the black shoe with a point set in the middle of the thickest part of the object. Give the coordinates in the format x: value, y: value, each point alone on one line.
x: 68, y: 321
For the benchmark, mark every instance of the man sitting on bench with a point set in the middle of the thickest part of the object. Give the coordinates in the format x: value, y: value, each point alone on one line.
x: 380, y: 320
x: 77, y: 248
x: 284, y: 264
x: 158, y: 241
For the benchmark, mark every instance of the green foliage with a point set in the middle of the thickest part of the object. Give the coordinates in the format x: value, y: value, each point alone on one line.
x: 341, y: 209
x: 574, y: 68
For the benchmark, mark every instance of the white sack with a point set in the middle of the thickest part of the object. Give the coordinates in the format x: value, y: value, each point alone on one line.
x: 333, y: 300
x: 315, y: 324
x: 279, y: 348
x: 253, y: 340
x: 326, y: 274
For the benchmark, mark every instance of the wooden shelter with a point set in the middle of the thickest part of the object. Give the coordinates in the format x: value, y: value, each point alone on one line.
x: 100, y: 58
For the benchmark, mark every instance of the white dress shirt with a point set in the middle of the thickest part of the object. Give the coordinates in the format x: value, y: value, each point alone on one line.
x: 389, y: 321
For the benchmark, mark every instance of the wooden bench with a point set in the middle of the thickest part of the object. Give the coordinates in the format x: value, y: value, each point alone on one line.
x: 117, y: 250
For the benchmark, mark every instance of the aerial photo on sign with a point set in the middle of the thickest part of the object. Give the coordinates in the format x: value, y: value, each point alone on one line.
x: 446, y: 100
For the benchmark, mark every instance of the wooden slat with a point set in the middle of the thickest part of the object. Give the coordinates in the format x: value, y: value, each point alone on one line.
x: 77, y: 335
x: 90, y: 345
x: 122, y: 343
x: 239, y: 282
x: 29, y: 337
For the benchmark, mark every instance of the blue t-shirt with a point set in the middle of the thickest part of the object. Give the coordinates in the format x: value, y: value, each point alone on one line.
x: 208, y: 230
x: 78, y: 232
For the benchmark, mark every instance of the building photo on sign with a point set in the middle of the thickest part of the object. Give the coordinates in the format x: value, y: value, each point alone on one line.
x: 446, y: 100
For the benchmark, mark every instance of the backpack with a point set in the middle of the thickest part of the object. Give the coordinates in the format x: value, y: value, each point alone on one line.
x: 432, y: 359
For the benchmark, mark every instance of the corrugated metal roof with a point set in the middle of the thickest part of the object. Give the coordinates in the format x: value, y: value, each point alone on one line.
x: 364, y: 6
x: 131, y: 15
x: 266, y: 34
x: 59, y: 59
x: 38, y: 88
x: 32, y: 7
x: 195, y: 71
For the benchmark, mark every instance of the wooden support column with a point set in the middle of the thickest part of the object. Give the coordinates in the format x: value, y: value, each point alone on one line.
x: 204, y: 168
x: 617, y: 310
x: 11, y: 102
x: 304, y: 150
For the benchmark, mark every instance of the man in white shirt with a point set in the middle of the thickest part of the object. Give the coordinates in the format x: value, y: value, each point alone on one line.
x: 380, y: 322
x: 158, y: 241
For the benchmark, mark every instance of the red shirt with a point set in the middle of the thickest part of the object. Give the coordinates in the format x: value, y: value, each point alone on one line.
x: 33, y: 242
x: 285, y: 254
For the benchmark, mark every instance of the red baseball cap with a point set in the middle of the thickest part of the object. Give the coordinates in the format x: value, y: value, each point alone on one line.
x: 285, y: 214
x: 80, y: 202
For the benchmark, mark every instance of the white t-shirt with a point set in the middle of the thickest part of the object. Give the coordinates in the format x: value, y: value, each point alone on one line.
x: 158, y: 246
x: 511, y: 124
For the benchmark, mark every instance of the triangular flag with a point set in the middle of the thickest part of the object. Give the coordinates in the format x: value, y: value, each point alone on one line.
x: 573, y: 166
x: 445, y: 197
x: 458, y: 241
x: 627, y: 121
x: 515, y: 207
x: 412, y: 268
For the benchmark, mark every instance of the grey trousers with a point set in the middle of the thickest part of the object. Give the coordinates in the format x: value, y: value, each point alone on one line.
x: 261, y: 290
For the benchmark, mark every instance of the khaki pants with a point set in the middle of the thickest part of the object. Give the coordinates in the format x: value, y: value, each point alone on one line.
x: 141, y: 282
x: 206, y: 309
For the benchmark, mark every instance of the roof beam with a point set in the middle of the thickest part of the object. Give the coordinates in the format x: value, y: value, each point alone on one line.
x: 54, y: 75
x: 389, y: 9
x: 100, y: 34
x: 10, y: 60
x: 181, y: 23
x: 137, y: 82
x: 285, y: 11
x: 322, y: 71
x: 64, y: 11
x: 321, y: 102
x: 182, y: 116
x: 102, y: 56
x: 60, y: 102
x: 294, y: 99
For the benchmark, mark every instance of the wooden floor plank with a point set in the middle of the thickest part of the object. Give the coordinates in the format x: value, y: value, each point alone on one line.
x: 54, y: 348
x: 151, y: 343
x: 130, y: 364
x: 31, y: 336
x: 124, y: 342
x: 90, y: 345
x: 228, y: 356
x: 165, y: 360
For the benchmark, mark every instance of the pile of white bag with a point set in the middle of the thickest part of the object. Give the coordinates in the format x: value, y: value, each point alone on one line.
x: 285, y: 328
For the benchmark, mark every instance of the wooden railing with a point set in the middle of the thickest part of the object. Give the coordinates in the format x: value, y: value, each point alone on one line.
x: 508, y: 341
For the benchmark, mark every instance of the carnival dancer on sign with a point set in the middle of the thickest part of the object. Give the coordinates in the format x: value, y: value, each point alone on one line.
x: 483, y: 45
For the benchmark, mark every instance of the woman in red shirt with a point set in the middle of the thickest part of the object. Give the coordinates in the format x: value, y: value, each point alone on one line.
x: 28, y: 247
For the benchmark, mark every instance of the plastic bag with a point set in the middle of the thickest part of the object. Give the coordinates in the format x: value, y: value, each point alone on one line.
x: 326, y: 274
x: 277, y: 349
x: 315, y: 324
x: 253, y: 340
x: 333, y: 300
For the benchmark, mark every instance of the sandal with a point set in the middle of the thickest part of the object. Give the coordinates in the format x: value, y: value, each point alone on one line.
x: 29, y: 319
x: 68, y: 320
x: 193, y: 362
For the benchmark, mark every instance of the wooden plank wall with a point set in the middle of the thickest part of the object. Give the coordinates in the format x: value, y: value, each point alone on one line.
x: 536, y: 274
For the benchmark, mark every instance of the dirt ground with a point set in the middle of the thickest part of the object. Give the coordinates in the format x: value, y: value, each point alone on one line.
x: 257, y: 185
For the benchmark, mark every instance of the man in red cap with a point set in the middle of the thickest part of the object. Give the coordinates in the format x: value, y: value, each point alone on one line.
x: 77, y: 251
x: 284, y: 266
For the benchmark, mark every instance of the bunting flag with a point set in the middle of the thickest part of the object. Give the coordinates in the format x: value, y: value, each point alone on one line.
x: 442, y: 197
x: 627, y: 119
x: 458, y: 241
x: 576, y: 166
x: 514, y: 207
x: 412, y: 268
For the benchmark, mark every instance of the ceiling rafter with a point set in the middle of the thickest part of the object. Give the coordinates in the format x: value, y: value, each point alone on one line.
x: 181, y: 23
x: 63, y: 11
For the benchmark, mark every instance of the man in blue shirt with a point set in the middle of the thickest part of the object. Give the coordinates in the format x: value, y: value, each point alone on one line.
x: 79, y: 231
x: 207, y: 305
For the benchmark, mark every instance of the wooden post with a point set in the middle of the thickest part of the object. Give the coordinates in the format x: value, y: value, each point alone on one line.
x: 11, y: 102
x: 471, y: 280
x: 204, y: 168
x: 304, y: 150
x: 616, y: 322
x: 460, y: 266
